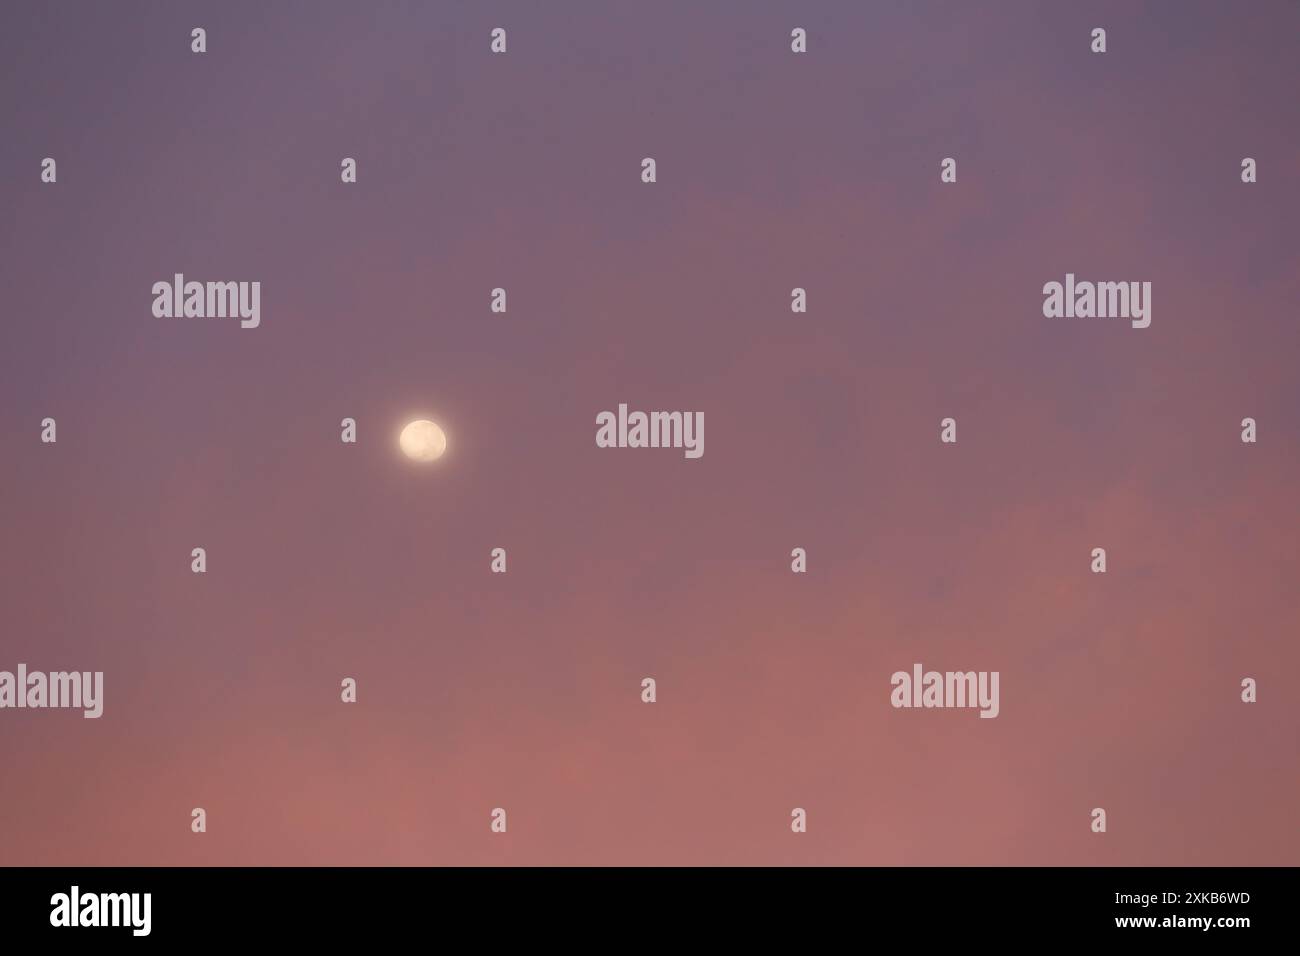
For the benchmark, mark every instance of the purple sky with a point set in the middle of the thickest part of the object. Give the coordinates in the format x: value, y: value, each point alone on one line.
x: 775, y: 170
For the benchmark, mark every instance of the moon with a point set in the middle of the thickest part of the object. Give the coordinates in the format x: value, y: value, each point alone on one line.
x: 423, y: 440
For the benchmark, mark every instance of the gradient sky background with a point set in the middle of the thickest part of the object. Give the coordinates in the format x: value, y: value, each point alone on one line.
x: 523, y: 691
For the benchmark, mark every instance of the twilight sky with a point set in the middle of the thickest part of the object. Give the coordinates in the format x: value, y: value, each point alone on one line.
x: 522, y: 690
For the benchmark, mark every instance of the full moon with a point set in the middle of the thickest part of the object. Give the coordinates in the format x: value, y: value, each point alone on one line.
x: 423, y: 440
